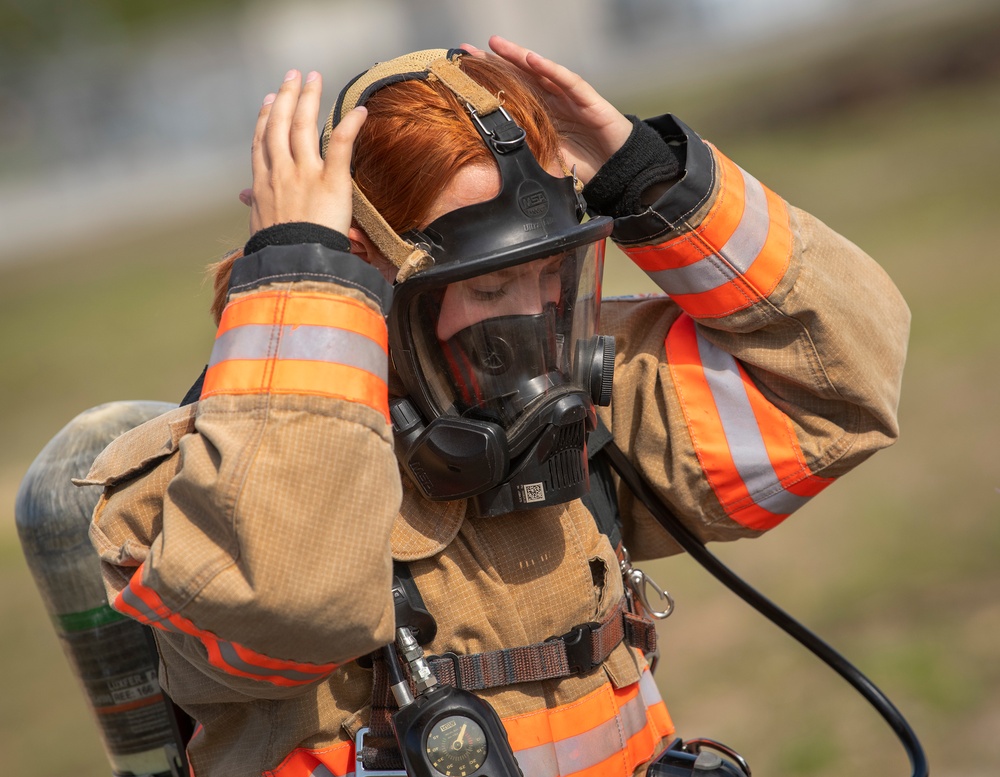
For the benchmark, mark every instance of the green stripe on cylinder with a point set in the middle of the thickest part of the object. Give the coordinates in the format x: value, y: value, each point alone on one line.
x: 88, y: 619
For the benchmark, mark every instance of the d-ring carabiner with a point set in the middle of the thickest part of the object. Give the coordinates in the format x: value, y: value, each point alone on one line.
x: 638, y: 582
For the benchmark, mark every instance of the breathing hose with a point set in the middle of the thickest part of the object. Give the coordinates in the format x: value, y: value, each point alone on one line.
x: 697, y: 550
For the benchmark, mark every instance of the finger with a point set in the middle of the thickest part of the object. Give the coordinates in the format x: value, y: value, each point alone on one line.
x: 279, y: 121
x: 473, y: 51
x: 305, y: 131
x: 551, y: 76
x: 528, y: 62
x: 559, y: 78
x: 337, y: 165
x: 341, y: 148
x: 512, y: 52
x: 246, y: 197
x: 258, y: 154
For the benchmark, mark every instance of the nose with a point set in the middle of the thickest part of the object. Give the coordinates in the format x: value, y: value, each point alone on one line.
x: 534, y: 291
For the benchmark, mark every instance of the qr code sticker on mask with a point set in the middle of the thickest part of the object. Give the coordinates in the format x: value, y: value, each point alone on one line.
x: 533, y: 492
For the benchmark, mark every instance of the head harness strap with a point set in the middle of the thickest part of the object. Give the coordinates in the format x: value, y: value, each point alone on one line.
x: 438, y: 64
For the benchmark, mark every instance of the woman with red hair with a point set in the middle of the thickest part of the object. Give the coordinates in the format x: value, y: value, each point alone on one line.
x: 412, y: 381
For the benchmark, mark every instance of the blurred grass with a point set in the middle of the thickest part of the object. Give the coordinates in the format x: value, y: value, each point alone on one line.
x: 896, y: 565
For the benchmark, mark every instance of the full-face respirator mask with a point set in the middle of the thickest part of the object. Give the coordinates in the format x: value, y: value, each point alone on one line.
x: 493, y: 324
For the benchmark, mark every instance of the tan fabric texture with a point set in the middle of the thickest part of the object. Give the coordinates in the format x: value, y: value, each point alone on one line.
x: 272, y: 521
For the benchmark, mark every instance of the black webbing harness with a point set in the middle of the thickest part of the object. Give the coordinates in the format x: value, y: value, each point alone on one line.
x: 580, y: 650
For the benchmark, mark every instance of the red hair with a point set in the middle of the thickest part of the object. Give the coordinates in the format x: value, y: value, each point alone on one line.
x: 417, y: 136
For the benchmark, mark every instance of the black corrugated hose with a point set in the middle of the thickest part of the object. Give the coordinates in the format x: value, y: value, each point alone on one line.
x: 696, y: 548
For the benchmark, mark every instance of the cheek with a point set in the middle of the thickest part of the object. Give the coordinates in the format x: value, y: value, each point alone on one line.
x: 455, y: 314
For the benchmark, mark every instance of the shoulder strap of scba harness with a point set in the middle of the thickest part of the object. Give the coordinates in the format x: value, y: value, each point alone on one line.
x: 601, y: 500
x: 579, y: 650
x: 583, y: 648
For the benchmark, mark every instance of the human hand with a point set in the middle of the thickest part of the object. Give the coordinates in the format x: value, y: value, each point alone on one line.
x: 291, y: 181
x: 591, y: 129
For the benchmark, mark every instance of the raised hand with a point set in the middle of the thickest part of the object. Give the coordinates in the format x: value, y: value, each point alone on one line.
x: 291, y: 181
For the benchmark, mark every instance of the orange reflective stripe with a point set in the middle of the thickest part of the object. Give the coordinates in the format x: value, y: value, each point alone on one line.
x: 303, y: 762
x: 545, y: 727
x: 734, y: 258
x: 301, y: 343
x: 142, y: 603
x: 746, y: 446
x: 291, y: 308
x: 782, y: 446
x: 278, y: 376
x: 585, y: 736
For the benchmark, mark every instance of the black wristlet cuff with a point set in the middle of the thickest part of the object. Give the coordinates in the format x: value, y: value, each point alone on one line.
x: 645, y: 160
x: 294, y: 233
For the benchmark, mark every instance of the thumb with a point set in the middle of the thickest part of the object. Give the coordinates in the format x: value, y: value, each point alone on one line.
x: 341, y: 147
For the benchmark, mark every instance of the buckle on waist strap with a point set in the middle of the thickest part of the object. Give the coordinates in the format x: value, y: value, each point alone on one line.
x: 579, y: 645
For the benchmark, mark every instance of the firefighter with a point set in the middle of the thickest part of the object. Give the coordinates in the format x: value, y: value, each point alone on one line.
x: 414, y: 365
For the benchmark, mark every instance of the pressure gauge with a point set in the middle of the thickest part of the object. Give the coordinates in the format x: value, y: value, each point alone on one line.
x: 450, y: 732
x: 456, y: 746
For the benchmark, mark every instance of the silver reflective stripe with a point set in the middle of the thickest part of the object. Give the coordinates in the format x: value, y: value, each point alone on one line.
x: 308, y: 343
x: 587, y: 749
x: 539, y: 761
x: 748, y: 240
x: 746, y: 445
x: 736, y: 256
x: 149, y: 615
x: 230, y: 656
x: 225, y: 648
x: 322, y: 771
x: 648, y: 690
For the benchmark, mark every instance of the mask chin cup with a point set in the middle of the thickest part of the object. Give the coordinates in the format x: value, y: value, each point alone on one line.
x: 459, y: 458
x: 553, y: 470
x: 451, y: 458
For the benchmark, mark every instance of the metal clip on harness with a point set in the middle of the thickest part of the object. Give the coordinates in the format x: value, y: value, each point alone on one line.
x: 636, y: 583
x: 696, y: 548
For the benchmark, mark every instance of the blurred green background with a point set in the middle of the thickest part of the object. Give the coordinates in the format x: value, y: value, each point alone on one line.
x: 892, y: 136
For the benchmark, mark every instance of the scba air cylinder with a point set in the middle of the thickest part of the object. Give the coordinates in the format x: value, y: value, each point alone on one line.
x: 109, y: 653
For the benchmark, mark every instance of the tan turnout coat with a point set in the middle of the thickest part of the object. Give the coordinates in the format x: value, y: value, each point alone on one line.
x: 255, y: 529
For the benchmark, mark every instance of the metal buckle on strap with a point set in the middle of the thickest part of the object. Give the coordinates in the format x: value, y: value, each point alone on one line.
x: 579, y: 647
x: 505, y: 135
x: 359, y: 766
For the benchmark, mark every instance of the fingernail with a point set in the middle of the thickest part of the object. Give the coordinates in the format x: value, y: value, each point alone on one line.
x: 313, y: 75
x: 291, y: 74
x: 268, y: 99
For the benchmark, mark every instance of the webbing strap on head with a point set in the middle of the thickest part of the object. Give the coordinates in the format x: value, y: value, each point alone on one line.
x: 437, y: 64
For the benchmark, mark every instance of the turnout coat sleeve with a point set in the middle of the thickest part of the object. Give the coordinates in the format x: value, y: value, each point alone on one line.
x: 240, y: 526
x: 772, y: 365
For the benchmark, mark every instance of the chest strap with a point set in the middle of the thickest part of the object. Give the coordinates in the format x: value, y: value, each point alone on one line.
x: 579, y: 650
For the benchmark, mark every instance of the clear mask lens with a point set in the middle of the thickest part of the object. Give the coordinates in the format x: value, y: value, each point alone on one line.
x: 492, y: 347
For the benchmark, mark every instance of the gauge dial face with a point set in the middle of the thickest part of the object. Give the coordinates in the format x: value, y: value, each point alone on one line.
x: 456, y: 746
